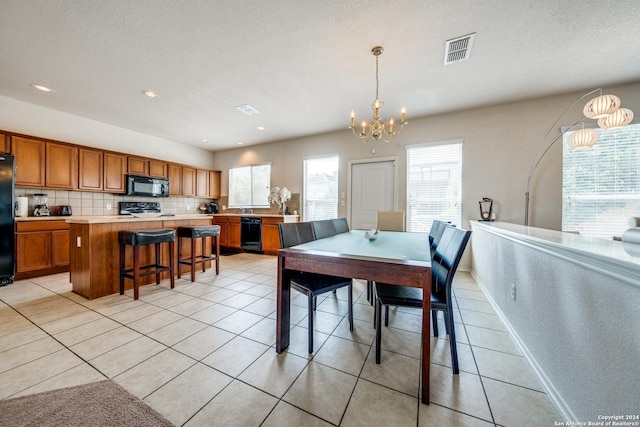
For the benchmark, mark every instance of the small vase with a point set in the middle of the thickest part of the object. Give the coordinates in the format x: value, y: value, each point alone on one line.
x: 283, y: 209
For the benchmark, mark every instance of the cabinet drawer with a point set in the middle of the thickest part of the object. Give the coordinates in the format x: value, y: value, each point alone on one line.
x: 22, y: 226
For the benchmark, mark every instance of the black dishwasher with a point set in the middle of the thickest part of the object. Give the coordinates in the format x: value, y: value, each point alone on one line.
x: 251, y: 233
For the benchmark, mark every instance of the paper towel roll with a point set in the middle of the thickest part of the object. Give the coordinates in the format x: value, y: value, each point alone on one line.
x: 22, y: 206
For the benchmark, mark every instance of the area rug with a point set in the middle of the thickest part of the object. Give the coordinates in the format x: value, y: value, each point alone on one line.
x: 103, y: 403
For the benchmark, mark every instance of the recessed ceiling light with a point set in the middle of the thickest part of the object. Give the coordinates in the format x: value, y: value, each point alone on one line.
x: 150, y: 94
x: 42, y: 88
x: 247, y: 109
x: 260, y: 128
x: 205, y: 140
x: 239, y: 143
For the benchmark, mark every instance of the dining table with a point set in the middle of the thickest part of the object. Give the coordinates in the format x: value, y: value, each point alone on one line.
x: 399, y: 258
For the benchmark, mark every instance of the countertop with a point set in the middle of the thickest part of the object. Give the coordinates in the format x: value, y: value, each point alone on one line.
x: 88, y: 219
x: 256, y: 215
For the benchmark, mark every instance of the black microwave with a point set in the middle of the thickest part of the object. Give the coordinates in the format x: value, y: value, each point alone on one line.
x: 138, y: 185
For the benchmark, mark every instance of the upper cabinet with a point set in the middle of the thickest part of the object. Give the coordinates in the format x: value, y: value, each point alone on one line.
x: 61, y: 166
x: 137, y: 166
x: 214, y: 184
x: 5, y: 147
x: 202, y: 183
x: 175, y: 180
x: 188, y: 181
x: 29, y: 161
x: 90, y: 169
x: 115, y: 167
x: 158, y: 169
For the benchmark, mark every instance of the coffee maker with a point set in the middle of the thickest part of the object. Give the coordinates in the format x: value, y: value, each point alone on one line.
x: 212, y: 208
x: 41, y: 205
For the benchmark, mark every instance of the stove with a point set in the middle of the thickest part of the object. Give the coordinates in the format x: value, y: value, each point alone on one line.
x: 130, y: 208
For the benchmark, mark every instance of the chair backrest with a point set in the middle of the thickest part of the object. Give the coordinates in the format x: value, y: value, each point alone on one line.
x: 446, y: 259
x: 391, y: 220
x: 295, y: 233
x: 341, y: 225
x: 323, y: 228
x: 435, y: 234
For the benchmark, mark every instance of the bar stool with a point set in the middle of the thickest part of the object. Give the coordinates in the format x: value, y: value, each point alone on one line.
x: 140, y: 238
x: 193, y: 233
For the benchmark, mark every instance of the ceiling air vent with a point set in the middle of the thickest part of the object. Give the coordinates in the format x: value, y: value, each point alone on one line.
x: 458, y: 49
x: 247, y: 109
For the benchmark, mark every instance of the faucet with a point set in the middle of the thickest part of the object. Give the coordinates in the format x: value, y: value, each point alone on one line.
x: 242, y: 210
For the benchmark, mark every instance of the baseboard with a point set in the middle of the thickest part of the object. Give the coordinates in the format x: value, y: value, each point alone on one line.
x: 555, y: 397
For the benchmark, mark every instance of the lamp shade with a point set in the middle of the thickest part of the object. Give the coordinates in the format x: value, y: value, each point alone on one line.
x: 601, y: 106
x: 620, y: 117
x: 583, y: 138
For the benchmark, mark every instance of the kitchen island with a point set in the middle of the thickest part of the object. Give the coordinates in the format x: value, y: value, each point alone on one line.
x: 94, y: 250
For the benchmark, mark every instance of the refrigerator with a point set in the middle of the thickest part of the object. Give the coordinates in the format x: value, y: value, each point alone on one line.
x: 7, y: 217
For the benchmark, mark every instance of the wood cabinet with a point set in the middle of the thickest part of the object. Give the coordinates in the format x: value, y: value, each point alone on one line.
x: 158, y: 168
x: 5, y: 147
x: 42, y: 247
x: 90, y: 170
x: 61, y: 166
x: 188, y: 181
x: 214, y: 184
x: 234, y: 232
x: 270, y: 235
x: 29, y: 161
x: 223, y: 222
x: 137, y: 166
x: 202, y: 183
x: 114, y: 171
x: 175, y: 180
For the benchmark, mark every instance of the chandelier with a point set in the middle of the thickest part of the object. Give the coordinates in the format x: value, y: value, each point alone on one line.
x: 377, y: 129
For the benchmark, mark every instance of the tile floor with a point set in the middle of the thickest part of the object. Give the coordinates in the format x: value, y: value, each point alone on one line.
x: 203, y: 354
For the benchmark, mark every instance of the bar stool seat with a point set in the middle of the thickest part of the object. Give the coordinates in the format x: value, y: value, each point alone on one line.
x: 139, y: 238
x: 199, y: 232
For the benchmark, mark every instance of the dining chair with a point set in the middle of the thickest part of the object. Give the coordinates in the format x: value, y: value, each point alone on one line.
x: 323, y: 228
x: 341, y: 225
x: 391, y: 220
x: 312, y: 284
x: 443, y: 267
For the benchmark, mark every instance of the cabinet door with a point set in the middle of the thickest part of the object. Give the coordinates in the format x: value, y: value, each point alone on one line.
x: 270, y: 235
x: 202, y: 183
x: 175, y: 180
x: 4, y: 143
x: 158, y: 168
x: 33, y: 251
x: 224, y: 229
x: 214, y: 184
x: 29, y: 161
x: 234, y: 232
x: 61, y: 164
x: 188, y: 181
x: 137, y: 166
x: 114, y: 171
x: 60, y: 247
x: 90, y: 167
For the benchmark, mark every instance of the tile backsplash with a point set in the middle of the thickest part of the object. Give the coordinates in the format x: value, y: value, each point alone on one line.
x: 96, y: 204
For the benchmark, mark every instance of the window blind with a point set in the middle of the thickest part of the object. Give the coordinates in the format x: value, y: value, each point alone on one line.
x: 320, y: 188
x: 434, y: 185
x: 249, y: 186
x: 601, y: 184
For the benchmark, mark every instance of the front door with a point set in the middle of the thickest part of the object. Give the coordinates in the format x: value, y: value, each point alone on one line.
x: 373, y: 189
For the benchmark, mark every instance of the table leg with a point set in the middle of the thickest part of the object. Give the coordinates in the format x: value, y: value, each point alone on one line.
x: 426, y: 335
x: 283, y: 310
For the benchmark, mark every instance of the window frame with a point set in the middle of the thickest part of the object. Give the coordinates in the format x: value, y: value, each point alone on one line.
x: 254, y: 203
x: 305, y: 192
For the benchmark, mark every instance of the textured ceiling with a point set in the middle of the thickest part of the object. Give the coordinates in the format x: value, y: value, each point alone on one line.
x: 304, y: 65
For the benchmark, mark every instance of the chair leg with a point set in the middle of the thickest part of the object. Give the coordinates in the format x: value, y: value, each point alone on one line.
x: 179, y: 256
x: 157, y: 262
x: 370, y: 291
x: 172, y: 264
x: 378, y: 323
x: 351, y: 306
x: 434, y: 322
x: 386, y: 315
x: 123, y: 248
x: 136, y: 271
x: 452, y: 341
x: 311, y: 299
x: 217, y: 254
x: 193, y: 260
x: 204, y: 241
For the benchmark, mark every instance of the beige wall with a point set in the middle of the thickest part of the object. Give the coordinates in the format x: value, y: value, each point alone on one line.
x: 500, y: 143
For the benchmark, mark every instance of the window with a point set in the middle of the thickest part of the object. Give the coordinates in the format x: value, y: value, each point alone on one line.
x: 601, y: 184
x: 434, y: 184
x: 321, y: 188
x: 249, y: 186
